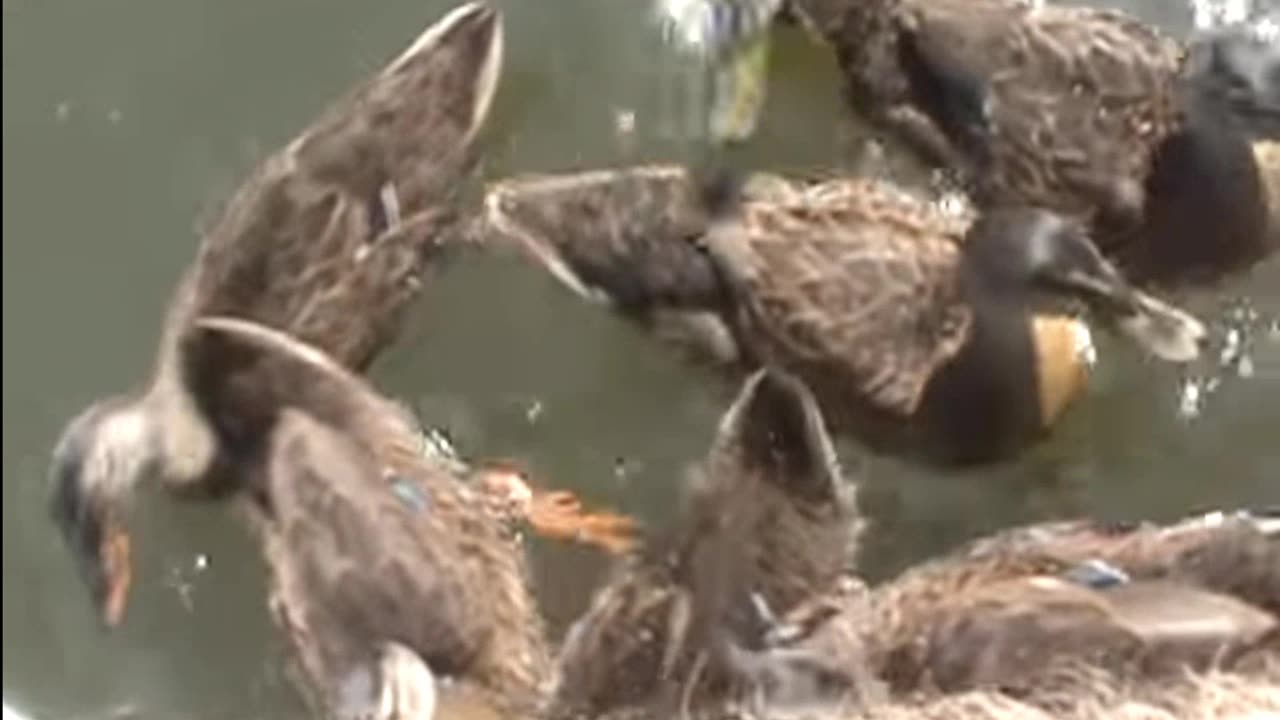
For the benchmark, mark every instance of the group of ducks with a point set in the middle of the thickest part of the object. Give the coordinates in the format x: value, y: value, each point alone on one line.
x: 839, y: 307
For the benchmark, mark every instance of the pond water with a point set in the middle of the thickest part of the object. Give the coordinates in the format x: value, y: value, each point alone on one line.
x: 125, y: 122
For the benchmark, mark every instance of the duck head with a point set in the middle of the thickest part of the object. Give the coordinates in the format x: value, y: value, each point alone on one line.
x: 102, y: 455
x: 1018, y: 253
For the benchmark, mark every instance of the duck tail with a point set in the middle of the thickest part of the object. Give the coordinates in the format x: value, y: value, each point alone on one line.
x: 625, y: 238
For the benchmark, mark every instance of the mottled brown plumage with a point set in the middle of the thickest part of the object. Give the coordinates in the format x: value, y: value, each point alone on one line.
x: 327, y: 240
x: 1003, y: 610
x: 368, y: 540
x: 909, y: 322
x: 767, y: 513
x: 1084, y: 111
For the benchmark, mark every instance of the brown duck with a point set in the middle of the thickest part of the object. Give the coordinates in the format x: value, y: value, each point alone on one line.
x: 1005, y: 611
x: 388, y: 566
x: 1006, y: 615
x: 767, y: 523
x: 328, y: 240
x: 1167, y: 150
x: 917, y: 329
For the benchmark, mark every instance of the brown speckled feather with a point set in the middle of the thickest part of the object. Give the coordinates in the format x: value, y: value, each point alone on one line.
x: 857, y: 279
x: 921, y: 615
x: 367, y: 538
x: 1077, y: 97
x: 330, y: 237
x: 767, y: 512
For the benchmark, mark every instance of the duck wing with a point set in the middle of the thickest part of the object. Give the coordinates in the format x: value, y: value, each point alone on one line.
x: 330, y: 236
x: 369, y: 539
x: 852, y: 287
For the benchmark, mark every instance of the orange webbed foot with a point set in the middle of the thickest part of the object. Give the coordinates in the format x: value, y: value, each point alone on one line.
x: 559, y: 515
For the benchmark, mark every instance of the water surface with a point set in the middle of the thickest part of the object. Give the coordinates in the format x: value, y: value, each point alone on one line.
x: 126, y: 122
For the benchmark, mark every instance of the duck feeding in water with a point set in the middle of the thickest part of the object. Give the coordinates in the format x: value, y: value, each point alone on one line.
x: 767, y: 522
x: 940, y: 335
x: 328, y: 240
x: 1168, y: 151
x: 388, y: 567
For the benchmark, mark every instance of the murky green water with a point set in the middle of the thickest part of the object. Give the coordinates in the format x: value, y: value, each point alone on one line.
x: 126, y: 121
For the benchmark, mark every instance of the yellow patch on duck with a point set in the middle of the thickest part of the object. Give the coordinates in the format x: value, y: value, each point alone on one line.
x: 1064, y: 354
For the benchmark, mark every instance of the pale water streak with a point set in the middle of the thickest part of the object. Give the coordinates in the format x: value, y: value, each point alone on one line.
x: 125, y: 122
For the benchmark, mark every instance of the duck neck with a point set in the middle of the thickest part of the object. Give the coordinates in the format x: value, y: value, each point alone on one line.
x: 185, y: 445
x: 1052, y: 351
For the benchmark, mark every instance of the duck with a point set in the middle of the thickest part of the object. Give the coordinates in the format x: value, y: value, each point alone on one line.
x: 766, y: 521
x: 751, y: 604
x: 329, y: 240
x: 937, y: 335
x: 390, y: 570
x: 1134, y: 600
x: 1165, y: 149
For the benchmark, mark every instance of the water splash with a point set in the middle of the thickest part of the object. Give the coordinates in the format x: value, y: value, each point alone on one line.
x: 1242, y: 327
x: 182, y: 578
x: 1260, y: 16
x: 1210, y: 14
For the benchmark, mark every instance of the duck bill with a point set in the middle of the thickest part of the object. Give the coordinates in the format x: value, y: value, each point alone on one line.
x: 1166, y: 331
x: 117, y: 575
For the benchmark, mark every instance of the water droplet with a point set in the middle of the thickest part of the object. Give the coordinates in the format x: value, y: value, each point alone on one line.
x: 533, y: 411
x: 624, y: 121
x: 1190, y: 399
x: 1244, y: 368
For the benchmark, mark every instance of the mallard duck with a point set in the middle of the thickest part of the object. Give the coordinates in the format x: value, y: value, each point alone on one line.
x: 387, y: 566
x: 328, y: 239
x: 1166, y: 149
x: 1134, y: 600
x: 916, y: 328
x: 767, y: 522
